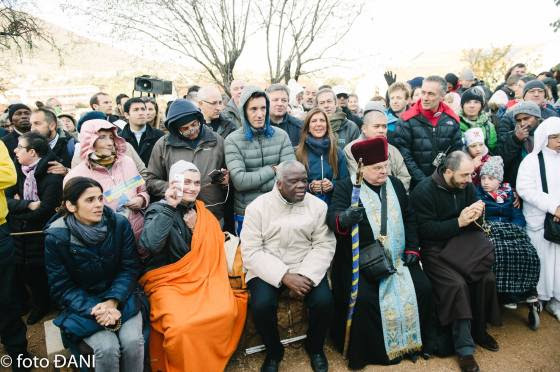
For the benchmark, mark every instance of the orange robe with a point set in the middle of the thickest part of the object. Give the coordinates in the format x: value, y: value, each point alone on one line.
x: 196, y: 318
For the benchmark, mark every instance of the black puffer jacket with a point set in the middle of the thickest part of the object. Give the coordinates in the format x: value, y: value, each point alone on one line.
x: 419, y: 142
x: 292, y: 126
x: 30, y: 248
x: 510, y: 148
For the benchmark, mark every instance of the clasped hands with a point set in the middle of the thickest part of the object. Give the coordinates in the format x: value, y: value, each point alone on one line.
x: 106, y: 313
x: 298, y: 285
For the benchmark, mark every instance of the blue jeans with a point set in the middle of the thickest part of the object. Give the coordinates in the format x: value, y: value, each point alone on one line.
x: 122, y: 350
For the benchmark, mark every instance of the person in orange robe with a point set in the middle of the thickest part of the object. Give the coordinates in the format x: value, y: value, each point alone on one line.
x: 196, y: 318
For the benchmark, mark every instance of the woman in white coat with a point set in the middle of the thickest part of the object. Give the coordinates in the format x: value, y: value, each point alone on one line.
x: 537, y: 203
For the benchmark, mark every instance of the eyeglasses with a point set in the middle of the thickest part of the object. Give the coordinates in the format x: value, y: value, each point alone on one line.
x: 18, y: 147
x: 213, y: 103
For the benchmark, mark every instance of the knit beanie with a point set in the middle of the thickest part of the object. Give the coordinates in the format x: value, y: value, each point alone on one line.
x: 474, y: 93
x: 494, y: 167
x: 90, y: 115
x: 526, y: 107
x: 474, y: 135
x: 416, y: 82
x: 467, y: 74
x: 374, y: 106
x: 13, y: 108
x: 532, y: 85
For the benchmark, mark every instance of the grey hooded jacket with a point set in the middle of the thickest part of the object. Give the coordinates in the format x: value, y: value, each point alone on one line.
x: 250, y: 155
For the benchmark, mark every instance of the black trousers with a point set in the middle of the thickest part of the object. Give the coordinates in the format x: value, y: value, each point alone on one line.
x: 34, y: 277
x: 264, y: 305
x: 12, y: 328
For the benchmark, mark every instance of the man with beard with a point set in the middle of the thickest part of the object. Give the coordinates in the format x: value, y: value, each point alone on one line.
x: 286, y: 244
x: 447, y: 209
x: 18, y: 115
x: 44, y: 122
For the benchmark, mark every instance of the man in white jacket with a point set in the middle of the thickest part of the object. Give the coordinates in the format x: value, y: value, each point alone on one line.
x: 537, y: 203
x: 286, y: 244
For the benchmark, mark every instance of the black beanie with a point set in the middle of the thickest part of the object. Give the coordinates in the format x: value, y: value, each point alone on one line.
x: 474, y: 93
x: 13, y: 108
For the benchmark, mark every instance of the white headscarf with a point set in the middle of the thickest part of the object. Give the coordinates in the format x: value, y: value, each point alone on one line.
x: 181, y: 167
x: 547, y: 128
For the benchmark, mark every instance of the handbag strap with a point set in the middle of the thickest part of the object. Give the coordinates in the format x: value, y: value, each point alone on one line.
x: 383, y: 192
x: 543, y: 173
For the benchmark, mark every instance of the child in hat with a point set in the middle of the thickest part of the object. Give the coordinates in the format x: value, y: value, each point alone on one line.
x: 475, y: 147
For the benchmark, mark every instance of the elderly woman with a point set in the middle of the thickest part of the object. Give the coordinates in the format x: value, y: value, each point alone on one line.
x: 537, y: 202
x: 104, y: 159
x: 317, y: 150
x: 196, y: 317
x: 390, y: 313
x: 93, y: 268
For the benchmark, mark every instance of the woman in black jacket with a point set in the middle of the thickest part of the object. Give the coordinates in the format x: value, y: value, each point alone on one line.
x: 93, y: 268
x: 31, y: 203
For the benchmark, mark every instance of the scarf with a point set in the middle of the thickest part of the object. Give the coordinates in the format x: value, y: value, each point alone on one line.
x: 336, y: 120
x: 397, y: 297
x: 502, y: 194
x: 30, y: 184
x: 90, y: 235
x: 105, y: 161
x: 320, y: 146
x: 432, y: 116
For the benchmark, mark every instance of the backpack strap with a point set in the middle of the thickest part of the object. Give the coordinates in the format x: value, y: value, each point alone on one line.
x: 543, y: 173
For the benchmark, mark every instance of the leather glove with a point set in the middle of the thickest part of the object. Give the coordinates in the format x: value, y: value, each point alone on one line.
x: 390, y: 77
x: 410, y: 259
x: 351, y: 216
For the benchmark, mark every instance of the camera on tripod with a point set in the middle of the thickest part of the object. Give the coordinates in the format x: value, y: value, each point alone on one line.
x: 152, y: 85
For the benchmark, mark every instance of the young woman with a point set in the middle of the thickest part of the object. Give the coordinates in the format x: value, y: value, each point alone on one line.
x: 104, y: 159
x: 196, y: 317
x: 92, y: 268
x: 318, y: 151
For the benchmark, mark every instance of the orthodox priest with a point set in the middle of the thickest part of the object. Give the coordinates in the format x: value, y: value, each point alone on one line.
x: 392, y: 315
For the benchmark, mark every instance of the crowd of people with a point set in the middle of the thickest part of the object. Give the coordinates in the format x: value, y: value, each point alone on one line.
x: 405, y: 225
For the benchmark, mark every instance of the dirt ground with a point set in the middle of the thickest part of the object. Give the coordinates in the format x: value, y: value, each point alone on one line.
x: 520, y: 350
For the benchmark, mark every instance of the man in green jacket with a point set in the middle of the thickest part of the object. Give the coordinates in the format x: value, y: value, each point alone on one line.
x: 253, y: 151
x: 472, y: 116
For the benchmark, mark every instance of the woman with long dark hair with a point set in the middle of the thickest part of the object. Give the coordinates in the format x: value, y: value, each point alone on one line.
x: 318, y: 151
x: 92, y: 268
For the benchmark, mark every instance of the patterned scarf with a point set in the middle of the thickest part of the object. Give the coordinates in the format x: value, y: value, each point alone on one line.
x: 501, y: 195
x: 397, y: 297
x: 103, y: 160
x: 30, y: 184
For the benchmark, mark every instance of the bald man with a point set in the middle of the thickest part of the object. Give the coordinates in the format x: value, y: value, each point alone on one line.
x: 375, y: 125
x: 211, y: 104
x: 231, y: 111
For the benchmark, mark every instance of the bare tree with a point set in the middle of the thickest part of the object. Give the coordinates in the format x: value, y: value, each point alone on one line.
x: 556, y: 24
x: 299, y: 33
x: 19, y: 30
x: 210, y: 32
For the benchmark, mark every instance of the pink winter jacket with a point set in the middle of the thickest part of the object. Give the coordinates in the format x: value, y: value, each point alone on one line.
x: 121, y: 182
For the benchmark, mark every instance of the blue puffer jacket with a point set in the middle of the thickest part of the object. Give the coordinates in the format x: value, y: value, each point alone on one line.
x: 80, y: 277
x: 501, y: 212
x: 318, y: 168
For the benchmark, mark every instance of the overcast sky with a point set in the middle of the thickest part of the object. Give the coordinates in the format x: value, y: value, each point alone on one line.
x: 393, y: 33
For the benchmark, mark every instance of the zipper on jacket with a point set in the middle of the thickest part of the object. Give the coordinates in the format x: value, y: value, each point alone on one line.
x: 260, y: 146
